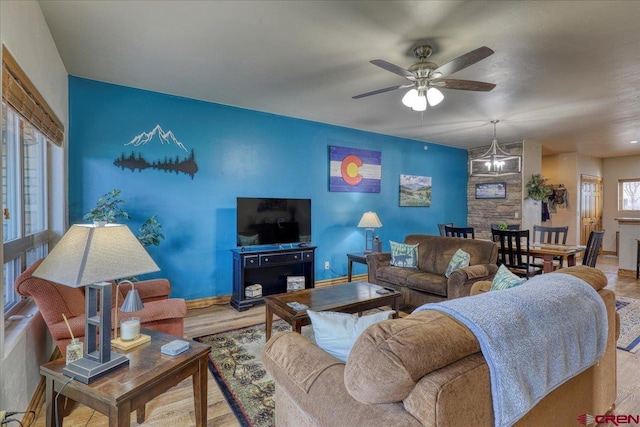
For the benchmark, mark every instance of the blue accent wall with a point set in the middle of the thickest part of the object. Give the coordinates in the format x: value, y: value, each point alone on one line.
x: 242, y: 153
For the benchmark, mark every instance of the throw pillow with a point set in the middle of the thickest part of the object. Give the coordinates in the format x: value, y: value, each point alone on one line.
x: 403, y: 255
x: 505, y: 279
x: 458, y: 260
x: 336, y: 333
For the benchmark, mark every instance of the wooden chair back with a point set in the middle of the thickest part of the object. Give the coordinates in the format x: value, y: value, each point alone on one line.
x: 442, y: 226
x: 462, y: 232
x: 593, y: 248
x: 552, y: 235
x: 513, y: 251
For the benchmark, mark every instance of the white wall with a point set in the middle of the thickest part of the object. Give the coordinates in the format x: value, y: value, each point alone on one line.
x: 614, y: 169
x: 23, y: 30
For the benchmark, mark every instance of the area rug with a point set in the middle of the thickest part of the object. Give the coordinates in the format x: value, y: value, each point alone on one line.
x: 236, y: 364
x: 629, y: 311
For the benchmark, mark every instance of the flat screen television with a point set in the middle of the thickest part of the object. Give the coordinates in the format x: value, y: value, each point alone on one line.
x: 271, y: 221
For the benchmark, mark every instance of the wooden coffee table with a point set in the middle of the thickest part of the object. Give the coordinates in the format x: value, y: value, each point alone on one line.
x: 352, y: 297
x: 127, y: 389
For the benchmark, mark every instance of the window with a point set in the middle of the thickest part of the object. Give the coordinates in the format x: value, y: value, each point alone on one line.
x: 24, y: 194
x: 629, y: 194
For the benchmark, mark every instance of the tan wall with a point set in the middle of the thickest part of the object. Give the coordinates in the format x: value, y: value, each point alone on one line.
x: 566, y: 169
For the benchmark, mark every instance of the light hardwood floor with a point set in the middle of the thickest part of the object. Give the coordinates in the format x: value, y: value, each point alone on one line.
x: 175, y: 408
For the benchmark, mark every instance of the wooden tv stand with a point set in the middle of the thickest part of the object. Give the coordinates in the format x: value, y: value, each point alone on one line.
x: 269, y: 268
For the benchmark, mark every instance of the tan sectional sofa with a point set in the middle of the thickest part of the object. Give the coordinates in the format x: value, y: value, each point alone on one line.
x: 428, y: 283
x: 429, y: 371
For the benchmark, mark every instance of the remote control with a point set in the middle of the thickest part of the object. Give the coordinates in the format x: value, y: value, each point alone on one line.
x: 174, y: 347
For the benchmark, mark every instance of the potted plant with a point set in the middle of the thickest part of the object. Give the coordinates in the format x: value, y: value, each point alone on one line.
x: 108, y: 210
x: 537, y: 188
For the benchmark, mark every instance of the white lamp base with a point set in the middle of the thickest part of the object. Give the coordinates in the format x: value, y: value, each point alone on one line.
x: 128, y: 345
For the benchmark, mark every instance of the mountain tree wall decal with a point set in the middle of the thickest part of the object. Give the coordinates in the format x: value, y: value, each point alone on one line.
x: 158, y: 137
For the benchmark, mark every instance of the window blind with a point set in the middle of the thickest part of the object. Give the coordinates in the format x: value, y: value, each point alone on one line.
x: 22, y: 95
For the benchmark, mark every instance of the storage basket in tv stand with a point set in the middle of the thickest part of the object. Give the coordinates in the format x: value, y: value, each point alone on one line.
x: 270, y: 269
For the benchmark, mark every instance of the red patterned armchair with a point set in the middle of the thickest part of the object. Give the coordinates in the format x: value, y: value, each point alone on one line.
x: 160, y: 312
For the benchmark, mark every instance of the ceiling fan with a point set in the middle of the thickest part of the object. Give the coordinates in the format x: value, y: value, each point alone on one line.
x: 426, y: 77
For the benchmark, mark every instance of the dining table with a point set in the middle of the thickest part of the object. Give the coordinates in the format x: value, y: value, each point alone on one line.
x: 547, y: 251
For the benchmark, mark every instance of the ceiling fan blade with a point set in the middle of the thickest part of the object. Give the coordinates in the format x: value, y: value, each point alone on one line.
x: 386, y: 89
x: 462, y: 85
x: 393, y: 68
x: 464, y: 61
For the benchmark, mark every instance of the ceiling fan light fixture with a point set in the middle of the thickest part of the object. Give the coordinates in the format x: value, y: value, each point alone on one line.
x: 410, y: 98
x: 434, y: 96
x: 420, y: 103
x: 495, y: 161
x: 415, y: 100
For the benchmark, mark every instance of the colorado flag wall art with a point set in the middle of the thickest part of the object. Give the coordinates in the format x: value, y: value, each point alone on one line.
x: 351, y: 169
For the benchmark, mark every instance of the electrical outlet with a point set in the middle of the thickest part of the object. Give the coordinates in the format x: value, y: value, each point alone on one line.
x: 326, y: 265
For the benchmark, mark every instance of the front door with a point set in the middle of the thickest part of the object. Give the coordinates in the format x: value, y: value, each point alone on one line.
x: 591, y: 206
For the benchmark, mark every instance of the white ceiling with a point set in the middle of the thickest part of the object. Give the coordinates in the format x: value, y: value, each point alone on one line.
x: 567, y: 72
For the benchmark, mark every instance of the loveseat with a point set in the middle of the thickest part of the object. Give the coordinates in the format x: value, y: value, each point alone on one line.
x: 160, y: 313
x: 428, y: 282
x: 425, y: 369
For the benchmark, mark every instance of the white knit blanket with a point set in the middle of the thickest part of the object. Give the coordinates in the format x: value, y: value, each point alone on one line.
x: 534, y: 337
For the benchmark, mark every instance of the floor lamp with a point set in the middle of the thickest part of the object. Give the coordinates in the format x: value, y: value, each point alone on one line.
x: 91, y: 256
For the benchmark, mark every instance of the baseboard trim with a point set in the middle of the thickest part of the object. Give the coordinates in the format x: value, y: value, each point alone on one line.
x: 208, y: 302
x: 195, y: 304
x: 623, y: 272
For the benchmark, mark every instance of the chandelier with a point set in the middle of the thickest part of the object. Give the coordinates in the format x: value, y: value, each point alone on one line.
x: 496, y: 161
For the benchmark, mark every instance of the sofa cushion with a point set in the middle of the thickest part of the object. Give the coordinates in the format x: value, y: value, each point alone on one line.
x: 436, y: 251
x: 428, y: 282
x: 390, y: 357
x: 403, y: 255
x: 505, y: 279
x: 336, y: 333
x: 397, y: 275
x: 458, y: 260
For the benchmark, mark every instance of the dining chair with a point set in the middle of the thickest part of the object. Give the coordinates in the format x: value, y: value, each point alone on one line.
x: 463, y: 232
x: 593, y: 248
x: 551, y: 235
x: 442, y: 226
x: 513, y: 252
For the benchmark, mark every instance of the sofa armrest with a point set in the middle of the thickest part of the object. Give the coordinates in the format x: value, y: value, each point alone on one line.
x: 376, y: 260
x: 153, y: 311
x: 462, y: 279
x: 481, y: 287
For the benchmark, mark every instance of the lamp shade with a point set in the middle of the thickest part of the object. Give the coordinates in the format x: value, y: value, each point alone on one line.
x: 132, y: 302
x: 90, y: 253
x: 370, y: 220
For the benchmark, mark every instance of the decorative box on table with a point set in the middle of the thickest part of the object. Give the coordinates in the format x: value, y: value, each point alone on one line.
x: 253, y: 291
x: 295, y: 283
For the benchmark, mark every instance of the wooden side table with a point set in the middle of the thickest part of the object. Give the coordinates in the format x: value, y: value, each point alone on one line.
x: 351, y: 258
x: 149, y: 374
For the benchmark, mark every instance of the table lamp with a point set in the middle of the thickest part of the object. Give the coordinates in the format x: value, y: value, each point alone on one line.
x: 130, y: 335
x: 369, y: 221
x: 89, y: 256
